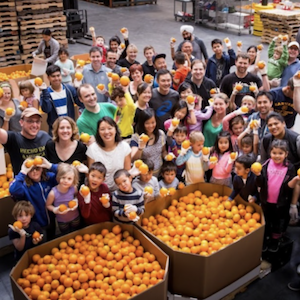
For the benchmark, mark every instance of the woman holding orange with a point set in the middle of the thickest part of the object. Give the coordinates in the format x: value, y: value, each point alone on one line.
x: 10, y: 112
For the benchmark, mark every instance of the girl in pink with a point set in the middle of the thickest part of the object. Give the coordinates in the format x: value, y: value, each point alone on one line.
x: 222, y: 167
x: 27, y: 91
x: 276, y: 181
x: 68, y: 219
x: 235, y: 125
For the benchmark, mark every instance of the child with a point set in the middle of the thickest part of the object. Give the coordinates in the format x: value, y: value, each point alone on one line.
x: 250, y: 102
x: 126, y: 199
x: 195, y: 162
x: 148, y: 67
x: 185, y: 90
x: 181, y: 70
x: 67, y: 177
x: 174, y: 145
x: 91, y: 209
x: 144, y: 180
x: 234, y: 124
x: 99, y: 42
x: 33, y: 184
x: 27, y: 91
x: 184, y: 113
x: 168, y: 173
x: 246, y: 145
x: 278, y: 59
x: 66, y: 66
x: 276, y: 181
x: 244, y: 181
x: 220, y: 63
x: 222, y: 167
x: 22, y: 239
x: 126, y: 110
x: 247, y: 142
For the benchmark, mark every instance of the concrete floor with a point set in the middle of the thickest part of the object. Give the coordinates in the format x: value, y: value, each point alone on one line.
x: 155, y: 25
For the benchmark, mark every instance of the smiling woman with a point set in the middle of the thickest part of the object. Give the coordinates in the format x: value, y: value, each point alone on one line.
x: 110, y: 150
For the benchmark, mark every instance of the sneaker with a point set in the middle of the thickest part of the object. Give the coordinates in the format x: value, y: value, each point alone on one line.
x: 274, y: 245
x: 294, y: 286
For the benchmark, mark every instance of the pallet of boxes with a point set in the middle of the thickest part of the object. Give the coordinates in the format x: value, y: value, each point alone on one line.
x: 33, y: 18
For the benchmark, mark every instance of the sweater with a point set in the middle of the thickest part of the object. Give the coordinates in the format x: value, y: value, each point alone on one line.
x: 223, y: 168
x: 276, y: 66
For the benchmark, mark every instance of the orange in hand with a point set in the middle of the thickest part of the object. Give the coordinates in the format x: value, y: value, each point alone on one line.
x: 285, y: 37
x: 76, y: 163
x: 143, y: 168
x: 169, y: 157
x: 213, y: 159
x: 173, y: 40
x: 123, y: 30
x: 18, y: 224
x: 29, y: 163
x: 181, y: 185
x: 298, y: 172
x: 256, y: 167
x: 81, y: 62
x: 100, y: 86
x: 148, y: 78
x: 190, y: 99
x: 164, y: 192
x: 239, y: 87
x: 239, y: 43
x: 36, y: 235
x: 38, y: 81
x: 122, y: 45
x: 144, y: 137
x: 252, y: 88
x: 261, y: 64
x: 233, y: 155
x: 104, y: 200
x: 9, y: 111
x: 85, y: 137
x: 84, y: 190
x: 175, y: 122
x: 23, y: 103
x: 78, y: 76
x: 213, y: 91
x: 115, y: 77
x: 226, y: 40
x: 186, y: 144
x: 260, y: 47
x: 148, y: 189
x: 138, y: 163
x: 123, y: 69
x: 244, y: 109
x: 124, y: 80
x: 132, y: 215
x: 72, y: 204
x: 37, y: 161
x: 63, y: 207
x: 205, y: 150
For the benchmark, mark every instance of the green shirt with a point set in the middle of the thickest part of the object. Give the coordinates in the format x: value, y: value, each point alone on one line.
x: 210, y: 133
x: 87, y: 122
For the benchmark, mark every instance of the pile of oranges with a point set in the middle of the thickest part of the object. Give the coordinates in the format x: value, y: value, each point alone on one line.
x: 5, y: 180
x: 202, y: 225
x: 111, y: 265
x: 14, y: 75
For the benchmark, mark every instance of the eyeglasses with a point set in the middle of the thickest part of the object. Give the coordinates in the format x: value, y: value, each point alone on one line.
x: 33, y: 121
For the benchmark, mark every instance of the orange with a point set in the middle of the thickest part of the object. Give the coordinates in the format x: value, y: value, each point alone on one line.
x: 109, y: 74
x: 226, y: 40
x: 239, y: 43
x: 138, y: 163
x: 169, y: 157
x: 123, y: 30
x: 239, y: 87
x: 76, y: 163
x: 37, y: 161
x: 104, y: 200
x: 36, y: 235
x: 261, y: 64
x: 256, y: 167
x: 181, y: 185
x: 285, y: 37
x: 72, y: 204
x: 81, y: 62
x: 78, y: 76
x: 100, y: 86
x: 18, y: 224
x: 124, y: 80
x: 9, y: 111
x: 173, y: 40
x: 84, y: 190
x: 148, y: 78
x: 253, y: 124
x: 132, y: 215
x: 213, y: 159
x: 22, y: 103
x: 190, y: 99
x: 213, y: 91
x: 175, y: 122
x: 123, y: 69
x: 260, y: 47
x: 63, y: 207
x: 186, y: 144
x: 163, y: 192
x: 233, y: 155
x: 85, y: 137
x: 115, y: 77
x: 148, y: 189
x: 122, y: 45
x: 144, y: 137
x: 252, y: 88
x: 205, y: 150
x: 143, y: 168
x: 298, y: 172
x: 38, y: 81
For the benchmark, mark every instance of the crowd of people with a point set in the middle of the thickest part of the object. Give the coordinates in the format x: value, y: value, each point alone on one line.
x: 203, y: 123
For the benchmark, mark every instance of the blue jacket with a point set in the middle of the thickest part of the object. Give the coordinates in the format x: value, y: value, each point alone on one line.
x: 36, y: 194
x: 211, y: 69
x: 48, y: 106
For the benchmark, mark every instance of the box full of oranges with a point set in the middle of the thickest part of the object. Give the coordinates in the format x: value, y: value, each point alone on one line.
x: 81, y: 59
x: 212, y: 242
x: 102, y: 261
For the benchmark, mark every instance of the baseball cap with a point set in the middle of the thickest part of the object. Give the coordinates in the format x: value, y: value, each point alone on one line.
x: 294, y: 43
x: 29, y: 112
x: 157, y: 56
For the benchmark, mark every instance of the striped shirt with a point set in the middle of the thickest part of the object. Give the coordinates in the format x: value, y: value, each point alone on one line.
x: 120, y: 199
x: 60, y: 101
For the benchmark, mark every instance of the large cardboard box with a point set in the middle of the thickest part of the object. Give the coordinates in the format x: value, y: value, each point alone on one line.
x: 197, y: 276
x: 158, y: 291
x: 83, y: 56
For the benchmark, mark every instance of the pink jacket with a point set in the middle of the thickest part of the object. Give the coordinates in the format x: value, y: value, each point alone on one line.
x: 222, y: 169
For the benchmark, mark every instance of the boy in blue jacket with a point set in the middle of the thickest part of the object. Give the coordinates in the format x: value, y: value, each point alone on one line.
x: 220, y: 63
x: 33, y: 184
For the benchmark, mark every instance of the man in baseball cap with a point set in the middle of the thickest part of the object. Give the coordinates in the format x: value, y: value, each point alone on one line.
x: 293, y: 63
x: 30, y: 141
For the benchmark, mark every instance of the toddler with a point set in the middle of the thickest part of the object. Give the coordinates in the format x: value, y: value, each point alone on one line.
x: 168, y: 174
x: 66, y: 66
x: 68, y: 219
x: 22, y: 238
x: 99, y: 42
x: 250, y: 102
x: 127, y: 201
x: 144, y: 180
x: 195, y: 162
x: 181, y: 70
x: 92, y: 210
x: 27, y: 91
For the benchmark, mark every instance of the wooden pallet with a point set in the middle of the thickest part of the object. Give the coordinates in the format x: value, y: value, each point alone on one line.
x: 24, y: 2
x: 60, y: 19
x: 9, y: 52
x: 41, y: 16
x: 8, y: 39
x: 4, y: 14
x: 10, y: 58
x: 8, y: 23
x: 38, y: 12
x: 8, y: 33
x: 11, y: 63
x: 39, y: 6
x: 61, y: 25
